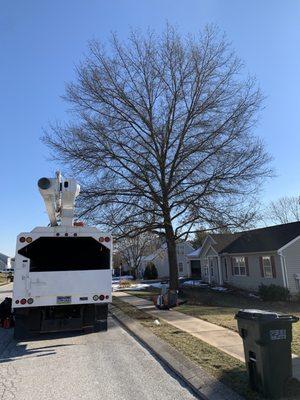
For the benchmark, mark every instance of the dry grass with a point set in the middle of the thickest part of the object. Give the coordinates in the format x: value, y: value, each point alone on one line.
x: 124, y: 283
x: 220, y: 309
x: 3, y: 279
x: 225, y: 368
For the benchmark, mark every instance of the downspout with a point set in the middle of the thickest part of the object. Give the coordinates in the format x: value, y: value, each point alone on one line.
x: 284, y: 270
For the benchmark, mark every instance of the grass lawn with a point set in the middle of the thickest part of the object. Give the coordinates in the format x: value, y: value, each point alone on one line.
x: 225, y: 368
x: 220, y: 308
x: 3, y: 279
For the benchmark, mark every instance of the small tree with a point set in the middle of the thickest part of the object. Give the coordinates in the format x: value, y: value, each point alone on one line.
x: 163, y: 136
x: 132, y: 249
x: 150, y: 271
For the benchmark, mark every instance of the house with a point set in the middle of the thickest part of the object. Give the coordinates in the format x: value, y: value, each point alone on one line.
x: 161, y: 260
x: 5, y: 262
x: 248, y: 259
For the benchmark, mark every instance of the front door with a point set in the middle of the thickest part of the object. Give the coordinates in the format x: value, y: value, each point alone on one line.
x: 195, y: 269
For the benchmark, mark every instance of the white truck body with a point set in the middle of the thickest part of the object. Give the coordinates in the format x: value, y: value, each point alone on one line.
x: 46, y: 287
x: 63, y: 272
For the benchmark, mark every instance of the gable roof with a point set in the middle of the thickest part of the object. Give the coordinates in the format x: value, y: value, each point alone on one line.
x: 223, y: 240
x: 195, y: 253
x: 263, y: 239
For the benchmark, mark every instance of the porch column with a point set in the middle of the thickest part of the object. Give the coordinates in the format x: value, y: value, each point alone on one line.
x: 220, y: 271
x: 209, y: 270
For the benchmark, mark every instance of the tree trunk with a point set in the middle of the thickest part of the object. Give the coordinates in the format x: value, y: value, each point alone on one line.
x: 172, y: 255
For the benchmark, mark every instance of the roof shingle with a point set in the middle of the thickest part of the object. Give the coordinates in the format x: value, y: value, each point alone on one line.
x: 263, y: 239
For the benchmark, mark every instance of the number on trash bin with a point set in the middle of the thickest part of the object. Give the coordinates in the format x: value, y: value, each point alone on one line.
x: 278, y: 334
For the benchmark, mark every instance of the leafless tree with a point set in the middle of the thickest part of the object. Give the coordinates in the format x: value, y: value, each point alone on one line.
x: 162, y: 136
x: 284, y: 210
x: 132, y: 249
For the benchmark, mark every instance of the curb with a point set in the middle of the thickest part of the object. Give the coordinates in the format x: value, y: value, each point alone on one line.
x: 200, y: 382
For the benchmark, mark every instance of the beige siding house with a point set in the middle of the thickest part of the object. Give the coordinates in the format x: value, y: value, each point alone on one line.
x: 248, y: 259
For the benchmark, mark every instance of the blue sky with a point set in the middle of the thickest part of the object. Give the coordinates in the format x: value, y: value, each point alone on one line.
x: 42, y: 40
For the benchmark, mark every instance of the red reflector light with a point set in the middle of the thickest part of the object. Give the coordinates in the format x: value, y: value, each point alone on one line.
x: 22, y: 239
x: 101, y: 297
x: 23, y: 301
x: 107, y: 239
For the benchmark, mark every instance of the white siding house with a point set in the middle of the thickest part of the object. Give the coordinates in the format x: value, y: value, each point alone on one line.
x: 5, y: 262
x: 161, y: 260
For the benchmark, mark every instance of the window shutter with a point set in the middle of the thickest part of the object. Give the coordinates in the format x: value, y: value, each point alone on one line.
x: 232, y: 270
x: 273, y: 266
x: 261, y: 267
x: 247, y: 266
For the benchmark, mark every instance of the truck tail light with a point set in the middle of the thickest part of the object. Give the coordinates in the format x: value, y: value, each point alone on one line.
x: 107, y: 297
x: 101, y: 297
x: 95, y: 298
x: 28, y: 239
x: 23, y: 301
x: 22, y: 239
x: 17, y: 301
x: 107, y: 239
x: 30, y: 300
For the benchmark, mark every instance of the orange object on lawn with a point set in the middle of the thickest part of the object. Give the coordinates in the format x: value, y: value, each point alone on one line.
x: 6, y: 323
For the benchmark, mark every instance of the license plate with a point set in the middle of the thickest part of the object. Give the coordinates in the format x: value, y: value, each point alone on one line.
x: 63, y: 299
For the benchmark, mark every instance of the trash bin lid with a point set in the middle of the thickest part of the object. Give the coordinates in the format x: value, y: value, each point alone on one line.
x: 263, y: 315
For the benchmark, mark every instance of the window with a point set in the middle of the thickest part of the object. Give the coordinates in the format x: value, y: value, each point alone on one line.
x: 267, y: 266
x: 205, y: 271
x: 180, y: 267
x: 239, y: 266
x: 211, y: 271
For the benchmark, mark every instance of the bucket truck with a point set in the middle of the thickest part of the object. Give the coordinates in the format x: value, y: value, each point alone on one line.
x: 62, y: 271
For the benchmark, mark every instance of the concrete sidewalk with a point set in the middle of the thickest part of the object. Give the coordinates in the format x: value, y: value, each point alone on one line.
x: 224, y: 339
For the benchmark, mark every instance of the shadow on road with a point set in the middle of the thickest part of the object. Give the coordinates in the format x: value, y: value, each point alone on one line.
x: 21, y: 350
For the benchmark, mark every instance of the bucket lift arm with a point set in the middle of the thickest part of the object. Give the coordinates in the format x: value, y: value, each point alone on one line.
x: 59, y: 195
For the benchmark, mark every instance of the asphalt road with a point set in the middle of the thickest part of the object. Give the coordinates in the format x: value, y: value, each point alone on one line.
x: 107, y: 365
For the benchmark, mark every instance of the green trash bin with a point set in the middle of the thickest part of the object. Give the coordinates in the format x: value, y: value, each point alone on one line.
x: 267, y: 338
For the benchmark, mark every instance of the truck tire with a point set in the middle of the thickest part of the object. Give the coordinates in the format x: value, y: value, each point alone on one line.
x: 21, y: 331
x: 100, y: 326
x: 27, y: 324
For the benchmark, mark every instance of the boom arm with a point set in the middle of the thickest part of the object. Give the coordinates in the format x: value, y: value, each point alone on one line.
x: 59, y: 195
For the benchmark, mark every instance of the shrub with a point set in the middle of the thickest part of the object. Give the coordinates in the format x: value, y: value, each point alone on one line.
x: 150, y: 271
x: 124, y: 283
x: 273, y: 293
